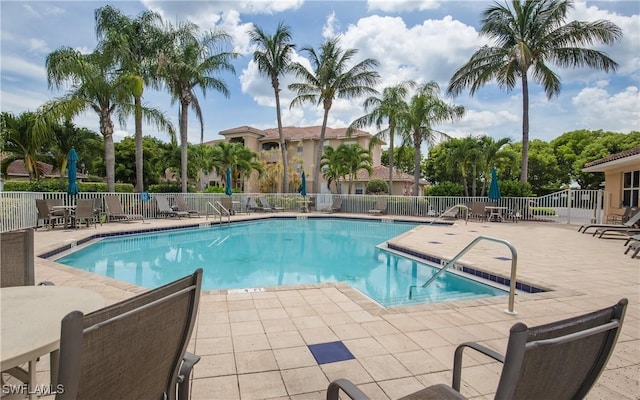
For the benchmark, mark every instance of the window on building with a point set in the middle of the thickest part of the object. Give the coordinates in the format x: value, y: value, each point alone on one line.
x: 631, y: 188
x: 350, y: 142
x: 359, y: 188
x: 299, y: 148
x: 270, y: 146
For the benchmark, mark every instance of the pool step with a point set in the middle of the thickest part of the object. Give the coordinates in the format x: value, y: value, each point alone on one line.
x: 421, y: 298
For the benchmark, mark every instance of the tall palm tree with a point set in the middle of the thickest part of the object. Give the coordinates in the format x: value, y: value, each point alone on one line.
x: 95, y: 86
x: 387, y: 107
x: 135, y: 44
x: 189, y: 64
x: 425, y: 110
x: 529, y: 35
x: 461, y: 157
x: 20, y: 141
x: 331, y: 78
x: 273, y: 56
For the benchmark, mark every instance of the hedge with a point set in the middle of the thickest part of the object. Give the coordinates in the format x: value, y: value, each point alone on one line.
x: 49, y: 185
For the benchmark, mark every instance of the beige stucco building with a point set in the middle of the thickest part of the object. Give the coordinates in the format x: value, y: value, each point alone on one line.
x: 621, y: 179
x: 301, y: 142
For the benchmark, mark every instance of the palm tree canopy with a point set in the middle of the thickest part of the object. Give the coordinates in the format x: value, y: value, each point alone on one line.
x: 273, y: 53
x: 530, y: 34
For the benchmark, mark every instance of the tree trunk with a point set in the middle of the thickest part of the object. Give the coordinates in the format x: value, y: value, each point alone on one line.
x: 184, y: 113
x: 283, y: 146
x: 524, y: 170
x: 391, y: 135
x: 316, y: 169
x: 417, y: 142
x: 106, y: 127
x: 139, y: 151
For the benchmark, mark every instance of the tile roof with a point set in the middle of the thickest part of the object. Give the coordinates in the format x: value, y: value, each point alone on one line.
x: 17, y: 169
x: 382, y: 172
x: 623, y: 154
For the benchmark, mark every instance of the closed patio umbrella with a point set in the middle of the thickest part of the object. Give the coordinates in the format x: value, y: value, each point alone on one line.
x: 494, y: 188
x: 227, y: 189
x: 72, y: 172
x: 303, y: 186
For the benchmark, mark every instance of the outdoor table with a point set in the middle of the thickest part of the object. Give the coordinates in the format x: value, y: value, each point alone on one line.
x: 68, y: 210
x: 304, y: 205
x: 495, y: 213
x: 30, y: 323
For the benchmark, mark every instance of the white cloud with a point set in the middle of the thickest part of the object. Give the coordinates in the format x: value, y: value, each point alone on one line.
x: 618, y: 112
x: 402, y: 5
x: 331, y: 26
x: 19, y: 66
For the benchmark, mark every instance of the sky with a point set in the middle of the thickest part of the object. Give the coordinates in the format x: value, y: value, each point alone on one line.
x: 422, y: 40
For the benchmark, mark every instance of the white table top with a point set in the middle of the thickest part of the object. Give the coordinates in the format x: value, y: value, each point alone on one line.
x: 31, y: 316
x: 495, y: 208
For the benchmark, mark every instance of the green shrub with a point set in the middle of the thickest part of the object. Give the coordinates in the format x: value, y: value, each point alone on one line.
x: 445, y: 189
x: 54, y: 185
x: 515, y: 189
x: 542, y: 211
x: 173, y: 187
x: 377, y: 186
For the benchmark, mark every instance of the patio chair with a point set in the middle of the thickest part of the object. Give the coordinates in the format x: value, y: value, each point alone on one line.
x: 622, y: 218
x: 227, y: 203
x: 478, y: 211
x: 115, y: 211
x: 633, y: 220
x: 181, y: 205
x: 17, y: 269
x: 265, y: 203
x: 134, y: 349
x: 560, y: 360
x: 381, y: 206
x: 85, y: 212
x: 47, y: 215
x: 335, y: 206
x: 165, y: 210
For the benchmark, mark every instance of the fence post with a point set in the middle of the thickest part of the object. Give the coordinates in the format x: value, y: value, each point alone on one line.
x: 569, y: 205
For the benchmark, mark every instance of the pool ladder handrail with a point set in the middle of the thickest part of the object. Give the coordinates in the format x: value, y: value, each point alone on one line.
x: 219, y: 211
x: 514, y: 263
x: 466, y: 214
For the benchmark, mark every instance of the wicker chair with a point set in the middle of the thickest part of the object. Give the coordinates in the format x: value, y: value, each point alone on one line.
x: 134, y: 349
x: 560, y: 360
x: 85, y: 212
x: 48, y: 216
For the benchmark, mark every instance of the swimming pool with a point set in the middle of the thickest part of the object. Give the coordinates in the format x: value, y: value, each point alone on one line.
x: 277, y: 252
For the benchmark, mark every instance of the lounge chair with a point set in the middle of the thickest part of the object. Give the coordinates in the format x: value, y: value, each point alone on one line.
x: 629, y: 224
x: 181, y: 205
x: 134, y: 349
x: 47, y: 215
x: 84, y: 212
x: 115, y: 211
x: 622, y: 218
x: 381, y: 206
x: 265, y: 203
x: 164, y: 209
x: 335, y: 206
x: 560, y: 360
x: 633, y: 244
x: 252, y: 205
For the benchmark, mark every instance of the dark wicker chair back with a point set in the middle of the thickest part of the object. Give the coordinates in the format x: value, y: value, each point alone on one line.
x: 16, y: 260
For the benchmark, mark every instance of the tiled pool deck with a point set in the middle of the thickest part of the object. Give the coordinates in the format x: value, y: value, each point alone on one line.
x: 255, y: 345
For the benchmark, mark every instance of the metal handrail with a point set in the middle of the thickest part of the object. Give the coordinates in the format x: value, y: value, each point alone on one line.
x: 226, y: 212
x: 466, y: 216
x: 514, y: 262
x: 214, y: 209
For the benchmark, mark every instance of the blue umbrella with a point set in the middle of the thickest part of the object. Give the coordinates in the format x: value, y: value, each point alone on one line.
x: 303, y: 186
x: 494, y: 189
x: 72, y: 172
x: 227, y: 189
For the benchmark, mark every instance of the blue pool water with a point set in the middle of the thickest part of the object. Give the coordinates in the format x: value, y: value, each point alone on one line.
x: 277, y: 252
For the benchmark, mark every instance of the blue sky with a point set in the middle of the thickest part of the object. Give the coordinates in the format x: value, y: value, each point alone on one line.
x: 420, y: 40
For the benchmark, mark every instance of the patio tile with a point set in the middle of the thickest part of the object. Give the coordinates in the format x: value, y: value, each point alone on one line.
x: 318, y: 335
x: 398, y: 388
x: 397, y: 343
x: 218, y: 388
x: 349, y: 331
x: 255, y: 361
x: 282, y: 340
x: 243, y: 316
x: 250, y: 342
x: 330, y: 352
x: 384, y: 367
x: 213, y: 330
x: 246, y: 328
x: 261, y: 385
x: 365, y: 347
x: 304, y: 380
x: 272, y: 313
x: 294, y: 357
x: 420, y: 362
x: 215, y: 365
x: 219, y: 345
x: 278, y: 325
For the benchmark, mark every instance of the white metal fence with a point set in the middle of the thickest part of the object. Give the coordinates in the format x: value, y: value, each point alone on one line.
x: 18, y: 209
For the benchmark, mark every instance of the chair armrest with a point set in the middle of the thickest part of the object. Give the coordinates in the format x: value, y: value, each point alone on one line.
x: 457, y: 360
x: 46, y: 283
x: 188, y: 362
x: 333, y: 391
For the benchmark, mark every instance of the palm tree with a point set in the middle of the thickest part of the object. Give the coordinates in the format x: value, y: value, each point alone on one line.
x: 528, y: 36
x: 425, y: 110
x: 20, y: 141
x: 462, y: 157
x: 354, y: 159
x: 273, y: 57
x: 331, y: 78
x: 387, y: 107
x: 332, y: 167
x: 94, y: 86
x: 190, y: 63
x: 490, y: 153
x: 238, y: 158
x: 136, y: 45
